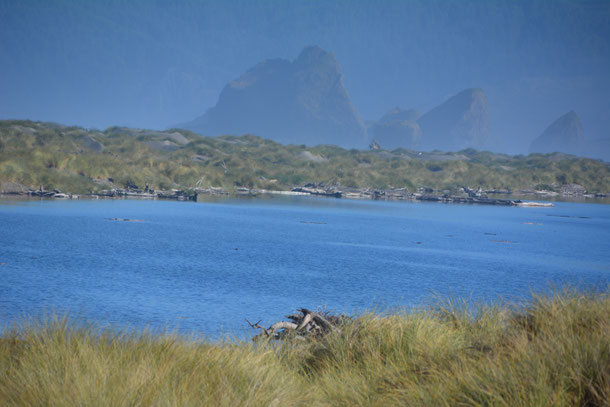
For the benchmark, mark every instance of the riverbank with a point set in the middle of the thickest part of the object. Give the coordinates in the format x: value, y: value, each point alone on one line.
x: 555, y: 351
x: 121, y: 160
x: 464, y: 195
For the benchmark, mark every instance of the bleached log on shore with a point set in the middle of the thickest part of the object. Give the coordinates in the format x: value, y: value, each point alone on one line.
x: 307, y: 324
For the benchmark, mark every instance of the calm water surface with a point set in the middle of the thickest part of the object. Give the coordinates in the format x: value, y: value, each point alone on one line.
x: 203, y: 267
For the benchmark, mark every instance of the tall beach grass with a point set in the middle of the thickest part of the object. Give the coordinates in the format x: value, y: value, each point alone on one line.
x: 555, y: 351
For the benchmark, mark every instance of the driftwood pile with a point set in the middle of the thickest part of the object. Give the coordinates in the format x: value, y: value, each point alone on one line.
x: 302, y: 326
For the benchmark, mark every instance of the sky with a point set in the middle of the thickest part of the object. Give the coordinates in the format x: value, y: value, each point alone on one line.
x: 153, y: 64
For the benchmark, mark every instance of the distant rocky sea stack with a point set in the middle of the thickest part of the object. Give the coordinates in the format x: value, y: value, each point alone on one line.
x: 461, y: 122
x: 564, y: 135
x: 397, y: 129
x: 294, y: 102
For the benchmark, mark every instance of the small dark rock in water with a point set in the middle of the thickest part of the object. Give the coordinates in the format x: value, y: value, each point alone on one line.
x: 490, y: 234
x: 125, y: 220
x: 419, y: 242
x: 314, y: 223
x: 568, y: 216
x: 235, y: 248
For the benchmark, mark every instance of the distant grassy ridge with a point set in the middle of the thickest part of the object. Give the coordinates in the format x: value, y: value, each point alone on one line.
x: 554, y: 352
x: 78, y: 160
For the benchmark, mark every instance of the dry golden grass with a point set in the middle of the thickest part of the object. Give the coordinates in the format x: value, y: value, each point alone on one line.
x: 554, y: 352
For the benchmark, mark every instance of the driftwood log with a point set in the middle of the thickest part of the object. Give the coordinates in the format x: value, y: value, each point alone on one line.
x: 302, y: 326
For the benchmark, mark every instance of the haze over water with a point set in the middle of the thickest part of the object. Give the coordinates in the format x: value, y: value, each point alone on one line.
x: 204, y: 267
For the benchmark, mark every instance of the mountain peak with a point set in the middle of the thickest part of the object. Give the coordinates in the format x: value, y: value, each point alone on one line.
x: 460, y: 122
x: 563, y: 135
x: 298, y: 102
x: 312, y: 52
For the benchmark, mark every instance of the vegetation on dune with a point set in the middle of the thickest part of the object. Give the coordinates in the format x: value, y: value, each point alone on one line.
x: 555, y: 351
x: 78, y: 160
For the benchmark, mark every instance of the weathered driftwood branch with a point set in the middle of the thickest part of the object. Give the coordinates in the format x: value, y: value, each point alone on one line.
x: 257, y: 326
x: 283, y: 325
x: 306, y: 324
x: 318, y: 319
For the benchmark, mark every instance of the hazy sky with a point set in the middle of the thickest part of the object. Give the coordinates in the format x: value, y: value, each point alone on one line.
x: 156, y: 63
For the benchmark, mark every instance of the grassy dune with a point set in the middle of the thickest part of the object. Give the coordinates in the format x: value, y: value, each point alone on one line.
x: 79, y: 160
x: 556, y: 351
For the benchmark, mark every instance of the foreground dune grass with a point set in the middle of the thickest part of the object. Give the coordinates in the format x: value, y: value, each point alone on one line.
x: 553, y: 352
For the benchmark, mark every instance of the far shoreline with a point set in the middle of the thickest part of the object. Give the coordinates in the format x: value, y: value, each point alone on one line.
x: 465, y: 195
x: 521, y: 200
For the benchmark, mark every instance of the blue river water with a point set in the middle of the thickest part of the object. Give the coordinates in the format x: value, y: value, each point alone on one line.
x: 202, y: 268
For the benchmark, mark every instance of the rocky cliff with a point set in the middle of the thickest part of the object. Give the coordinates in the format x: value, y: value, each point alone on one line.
x: 294, y: 102
x: 564, y: 135
x: 396, y: 134
x: 397, y: 128
x: 461, y: 122
x: 398, y: 114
